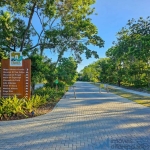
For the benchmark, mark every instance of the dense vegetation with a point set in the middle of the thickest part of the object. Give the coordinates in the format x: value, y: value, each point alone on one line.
x: 13, y: 108
x: 34, y: 27
x: 128, y: 60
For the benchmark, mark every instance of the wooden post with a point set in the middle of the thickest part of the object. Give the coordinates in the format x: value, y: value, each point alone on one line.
x: 99, y: 88
x: 107, y: 88
x: 74, y: 91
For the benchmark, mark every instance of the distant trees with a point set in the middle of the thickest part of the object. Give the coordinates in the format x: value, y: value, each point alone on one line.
x: 90, y: 73
x: 128, y: 61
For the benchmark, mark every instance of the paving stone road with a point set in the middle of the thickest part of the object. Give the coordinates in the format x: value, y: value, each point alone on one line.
x: 92, y: 121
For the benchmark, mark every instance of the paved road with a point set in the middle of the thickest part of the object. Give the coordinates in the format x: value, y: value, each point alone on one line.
x: 39, y: 85
x: 93, y: 121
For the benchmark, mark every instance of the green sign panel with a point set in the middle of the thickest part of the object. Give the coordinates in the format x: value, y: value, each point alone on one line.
x: 56, y: 81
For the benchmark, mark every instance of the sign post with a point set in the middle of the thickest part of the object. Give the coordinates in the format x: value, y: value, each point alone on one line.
x: 15, y: 77
x: 56, y: 82
x: 100, y: 88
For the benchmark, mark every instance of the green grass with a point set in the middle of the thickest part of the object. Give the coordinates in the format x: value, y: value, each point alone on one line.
x: 143, y: 100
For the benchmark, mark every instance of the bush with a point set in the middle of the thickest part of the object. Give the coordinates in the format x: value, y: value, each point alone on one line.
x: 51, y: 94
x: 13, y: 106
x: 34, y: 102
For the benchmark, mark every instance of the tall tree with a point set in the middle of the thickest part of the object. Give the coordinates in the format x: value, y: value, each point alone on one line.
x: 67, y: 70
x: 63, y: 25
x: 40, y: 67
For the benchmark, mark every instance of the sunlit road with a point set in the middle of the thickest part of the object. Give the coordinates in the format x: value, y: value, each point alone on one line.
x: 92, y: 121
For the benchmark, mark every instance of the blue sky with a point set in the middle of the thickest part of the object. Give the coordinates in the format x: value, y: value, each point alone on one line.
x: 112, y: 16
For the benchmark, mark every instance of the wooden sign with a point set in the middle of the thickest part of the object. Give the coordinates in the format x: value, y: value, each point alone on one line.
x: 16, y: 80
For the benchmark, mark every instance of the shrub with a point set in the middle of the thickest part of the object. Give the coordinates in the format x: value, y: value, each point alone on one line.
x: 34, y: 102
x: 50, y: 94
x: 13, y: 106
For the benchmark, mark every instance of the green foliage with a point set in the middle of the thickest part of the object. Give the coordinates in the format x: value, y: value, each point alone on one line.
x: 91, y: 72
x: 64, y: 25
x: 131, y: 53
x: 12, y: 106
x: 66, y: 70
x: 40, y: 68
x: 128, y: 61
x: 34, y: 102
x: 61, y: 84
x: 50, y: 94
x: 2, y: 55
x: 11, y: 33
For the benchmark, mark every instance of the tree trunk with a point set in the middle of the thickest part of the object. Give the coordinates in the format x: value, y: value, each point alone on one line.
x: 119, y: 82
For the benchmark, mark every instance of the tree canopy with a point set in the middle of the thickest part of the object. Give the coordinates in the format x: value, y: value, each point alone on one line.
x: 62, y: 25
x: 33, y: 27
x: 128, y: 61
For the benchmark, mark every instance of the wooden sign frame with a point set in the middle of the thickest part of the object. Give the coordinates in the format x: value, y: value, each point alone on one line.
x: 16, y: 80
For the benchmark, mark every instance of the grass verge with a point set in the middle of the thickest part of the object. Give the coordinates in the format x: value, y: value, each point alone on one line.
x: 143, y: 100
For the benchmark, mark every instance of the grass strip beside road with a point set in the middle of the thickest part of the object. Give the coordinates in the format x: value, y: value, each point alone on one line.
x: 143, y: 100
